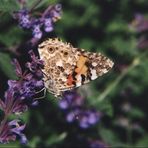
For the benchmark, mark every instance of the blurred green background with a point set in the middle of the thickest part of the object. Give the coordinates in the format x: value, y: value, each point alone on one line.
x: 121, y: 95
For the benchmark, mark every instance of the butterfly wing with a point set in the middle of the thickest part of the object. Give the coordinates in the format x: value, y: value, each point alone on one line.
x: 89, y: 67
x: 66, y: 67
x: 59, y: 61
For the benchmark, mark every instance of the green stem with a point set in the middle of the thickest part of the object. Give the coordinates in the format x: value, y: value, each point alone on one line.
x: 3, y: 123
x: 113, y: 85
x: 129, y: 135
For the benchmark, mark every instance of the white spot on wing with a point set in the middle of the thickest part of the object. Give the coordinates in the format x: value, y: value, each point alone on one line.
x: 64, y: 79
x: 59, y: 63
x: 79, y: 80
x: 94, y: 74
x: 94, y: 64
x: 110, y: 63
x: 104, y: 70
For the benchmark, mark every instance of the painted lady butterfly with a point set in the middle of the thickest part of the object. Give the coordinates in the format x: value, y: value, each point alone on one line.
x: 66, y: 67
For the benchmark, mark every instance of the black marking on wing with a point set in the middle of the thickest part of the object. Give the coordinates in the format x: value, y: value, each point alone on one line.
x: 83, y: 78
x: 74, y: 75
x: 89, y: 65
x: 61, y: 68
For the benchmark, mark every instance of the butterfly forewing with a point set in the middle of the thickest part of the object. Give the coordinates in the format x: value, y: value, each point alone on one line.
x: 66, y: 67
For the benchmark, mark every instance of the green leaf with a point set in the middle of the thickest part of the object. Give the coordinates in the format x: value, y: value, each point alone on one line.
x: 143, y: 142
x: 127, y: 47
x: 6, y: 66
x: 8, y: 5
x: 12, y: 37
x: 46, y: 3
x: 55, y: 139
x: 136, y: 113
x: 35, y: 140
x: 104, y: 106
x: 10, y: 145
x: 86, y: 43
x: 117, y: 25
x: 108, y: 136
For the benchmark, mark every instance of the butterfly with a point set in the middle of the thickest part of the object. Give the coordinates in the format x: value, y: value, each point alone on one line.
x: 66, y: 67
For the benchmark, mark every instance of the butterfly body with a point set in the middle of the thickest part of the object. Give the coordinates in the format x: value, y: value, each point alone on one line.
x: 66, y: 67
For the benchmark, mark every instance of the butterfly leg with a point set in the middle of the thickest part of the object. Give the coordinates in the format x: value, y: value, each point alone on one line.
x: 44, y: 93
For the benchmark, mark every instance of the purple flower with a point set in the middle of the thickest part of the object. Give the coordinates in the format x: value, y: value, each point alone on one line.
x: 63, y: 104
x: 45, y: 20
x: 58, y: 7
x: 23, y: 89
x: 73, y: 103
x: 71, y: 99
x: 10, y: 130
x: 142, y: 42
x: 48, y: 26
x: 70, y: 117
x: 12, y: 104
x: 35, y: 65
x: 56, y: 12
x: 21, y: 92
x: 29, y: 82
x: 23, y: 17
x: 89, y: 118
x: 36, y: 31
x: 19, y: 96
x: 140, y: 24
x: 85, y: 118
x: 25, y: 21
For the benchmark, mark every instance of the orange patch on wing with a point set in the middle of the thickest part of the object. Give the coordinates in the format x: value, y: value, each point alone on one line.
x: 81, y: 67
x: 70, y: 80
